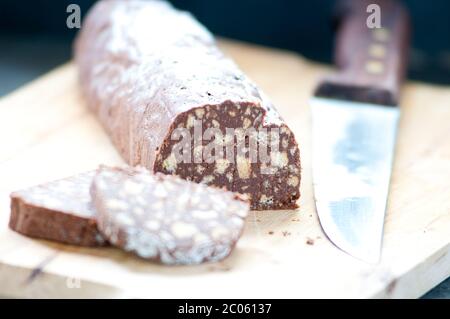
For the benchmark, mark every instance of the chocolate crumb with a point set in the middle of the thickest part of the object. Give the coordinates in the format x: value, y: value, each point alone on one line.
x: 390, y: 288
x: 271, y: 233
x: 219, y: 268
x: 310, y: 241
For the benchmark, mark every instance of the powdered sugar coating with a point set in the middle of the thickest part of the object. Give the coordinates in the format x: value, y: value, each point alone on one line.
x: 169, y: 219
x: 142, y: 63
x: 69, y: 195
x: 60, y: 210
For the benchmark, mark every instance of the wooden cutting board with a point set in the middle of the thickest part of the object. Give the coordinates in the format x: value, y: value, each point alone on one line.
x: 46, y: 132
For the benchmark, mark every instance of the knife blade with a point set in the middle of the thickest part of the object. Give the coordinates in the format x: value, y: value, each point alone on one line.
x: 354, y: 126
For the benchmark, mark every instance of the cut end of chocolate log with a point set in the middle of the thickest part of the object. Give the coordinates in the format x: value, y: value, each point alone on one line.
x: 60, y: 211
x: 151, y: 72
x: 167, y: 219
x: 231, y: 145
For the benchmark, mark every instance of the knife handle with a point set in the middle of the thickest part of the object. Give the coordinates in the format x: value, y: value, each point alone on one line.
x: 371, y: 62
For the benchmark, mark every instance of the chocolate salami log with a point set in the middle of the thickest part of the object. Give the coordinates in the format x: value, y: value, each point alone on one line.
x: 60, y: 211
x: 152, y: 73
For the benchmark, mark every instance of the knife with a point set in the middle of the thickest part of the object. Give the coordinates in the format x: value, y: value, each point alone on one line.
x: 354, y: 126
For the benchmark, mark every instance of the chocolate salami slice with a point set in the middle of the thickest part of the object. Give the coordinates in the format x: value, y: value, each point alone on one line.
x: 165, y: 218
x: 60, y: 211
x: 156, y: 80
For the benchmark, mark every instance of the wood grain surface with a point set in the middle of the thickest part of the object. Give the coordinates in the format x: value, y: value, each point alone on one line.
x: 46, y: 132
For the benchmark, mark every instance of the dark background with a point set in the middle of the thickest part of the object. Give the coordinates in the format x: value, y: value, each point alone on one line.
x: 34, y: 37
